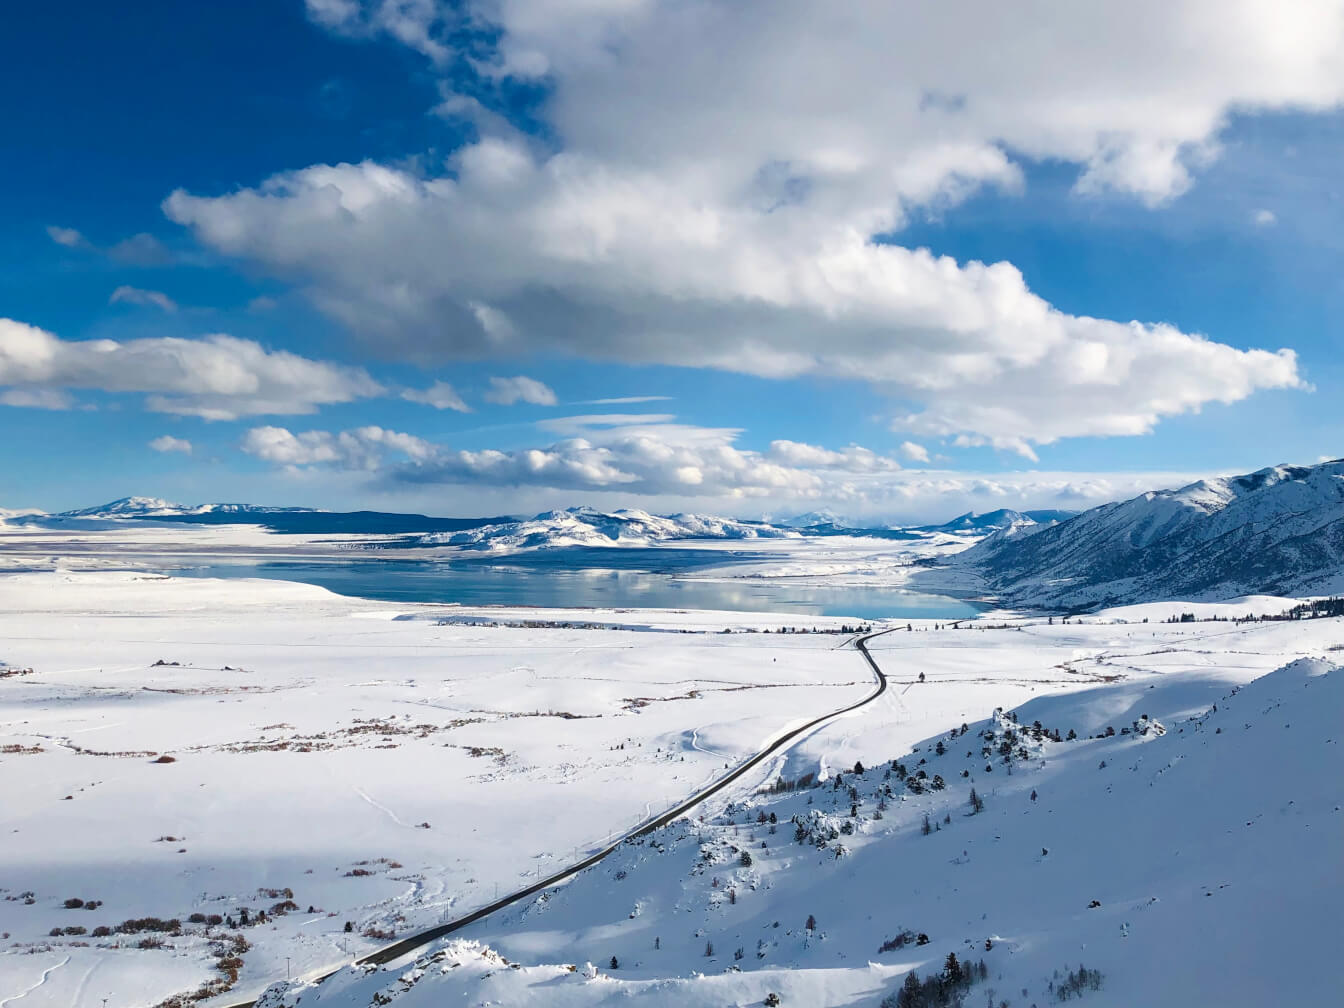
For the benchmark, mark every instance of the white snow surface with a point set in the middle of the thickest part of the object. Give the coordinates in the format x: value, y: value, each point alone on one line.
x: 313, y: 735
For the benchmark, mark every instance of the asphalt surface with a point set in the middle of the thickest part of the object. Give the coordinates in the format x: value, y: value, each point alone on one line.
x: 409, y: 944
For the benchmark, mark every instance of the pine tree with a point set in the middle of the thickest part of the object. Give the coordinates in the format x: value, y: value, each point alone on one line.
x: 811, y: 923
x: 614, y: 963
x: 952, y: 969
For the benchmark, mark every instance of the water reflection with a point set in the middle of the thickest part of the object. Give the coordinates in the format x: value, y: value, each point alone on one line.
x: 543, y: 582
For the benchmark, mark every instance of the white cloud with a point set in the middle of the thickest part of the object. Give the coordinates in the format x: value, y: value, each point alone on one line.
x: 362, y: 448
x: 638, y: 454
x: 914, y: 452
x: 168, y: 443
x: 68, y: 237
x: 415, y: 23
x: 216, y: 377
x: 624, y: 400
x: 719, y: 189
x: 1264, y: 218
x: 36, y: 398
x: 855, y: 458
x: 440, y: 395
x: 670, y: 467
x: 507, y: 391
x: 136, y: 296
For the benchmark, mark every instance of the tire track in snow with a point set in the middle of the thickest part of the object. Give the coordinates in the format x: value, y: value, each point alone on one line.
x: 5, y: 1002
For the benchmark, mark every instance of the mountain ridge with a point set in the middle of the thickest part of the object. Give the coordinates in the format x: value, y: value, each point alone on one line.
x: 1278, y: 530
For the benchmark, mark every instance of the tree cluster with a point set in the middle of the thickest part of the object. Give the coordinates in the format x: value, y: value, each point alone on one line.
x: 938, y: 990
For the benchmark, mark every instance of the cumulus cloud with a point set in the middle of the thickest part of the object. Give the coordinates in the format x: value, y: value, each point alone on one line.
x: 68, y: 237
x: 637, y: 454
x: 1264, y: 218
x: 216, y: 377
x: 362, y: 448
x: 914, y: 452
x: 855, y: 458
x: 440, y: 395
x: 507, y: 391
x: 675, y: 467
x: 167, y: 443
x: 718, y: 197
x: 136, y: 296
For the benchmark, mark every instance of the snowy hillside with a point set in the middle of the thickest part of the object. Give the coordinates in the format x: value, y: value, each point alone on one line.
x: 1184, y: 851
x: 588, y: 527
x: 1276, y: 531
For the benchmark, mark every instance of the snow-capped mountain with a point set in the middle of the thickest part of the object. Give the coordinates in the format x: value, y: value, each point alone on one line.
x: 157, y: 507
x: 1276, y: 531
x: 127, y: 507
x: 811, y: 519
x: 588, y: 527
x: 993, y: 521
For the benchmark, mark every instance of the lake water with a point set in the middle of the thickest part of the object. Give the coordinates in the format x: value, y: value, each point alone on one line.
x: 624, y: 578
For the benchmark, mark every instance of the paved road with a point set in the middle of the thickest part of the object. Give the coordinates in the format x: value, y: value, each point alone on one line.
x: 401, y: 947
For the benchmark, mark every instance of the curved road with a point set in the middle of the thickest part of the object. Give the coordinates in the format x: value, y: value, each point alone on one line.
x: 410, y: 943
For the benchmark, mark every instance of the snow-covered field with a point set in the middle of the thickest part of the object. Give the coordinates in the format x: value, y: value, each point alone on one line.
x: 393, y: 765
x: 314, y: 736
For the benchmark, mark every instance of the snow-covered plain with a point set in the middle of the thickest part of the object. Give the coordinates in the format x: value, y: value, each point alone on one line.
x: 392, y: 765
x: 311, y: 732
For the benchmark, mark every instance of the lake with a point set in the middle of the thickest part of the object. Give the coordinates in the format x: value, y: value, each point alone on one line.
x: 613, y: 578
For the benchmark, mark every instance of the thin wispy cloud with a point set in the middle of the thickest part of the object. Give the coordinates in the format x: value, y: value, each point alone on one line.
x: 623, y: 400
x: 137, y: 296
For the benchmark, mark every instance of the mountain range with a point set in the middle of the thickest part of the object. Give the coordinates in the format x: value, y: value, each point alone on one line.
x: 1278, y: 531
x: 579, y: 526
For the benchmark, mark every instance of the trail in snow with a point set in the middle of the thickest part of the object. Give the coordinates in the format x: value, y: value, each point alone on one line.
x: 43, y: 979
x: 695, y: 744
x: 376, y: 804
x: 84, y: 984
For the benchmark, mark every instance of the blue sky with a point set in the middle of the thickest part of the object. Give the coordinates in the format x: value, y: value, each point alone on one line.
x: 302, y: 253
